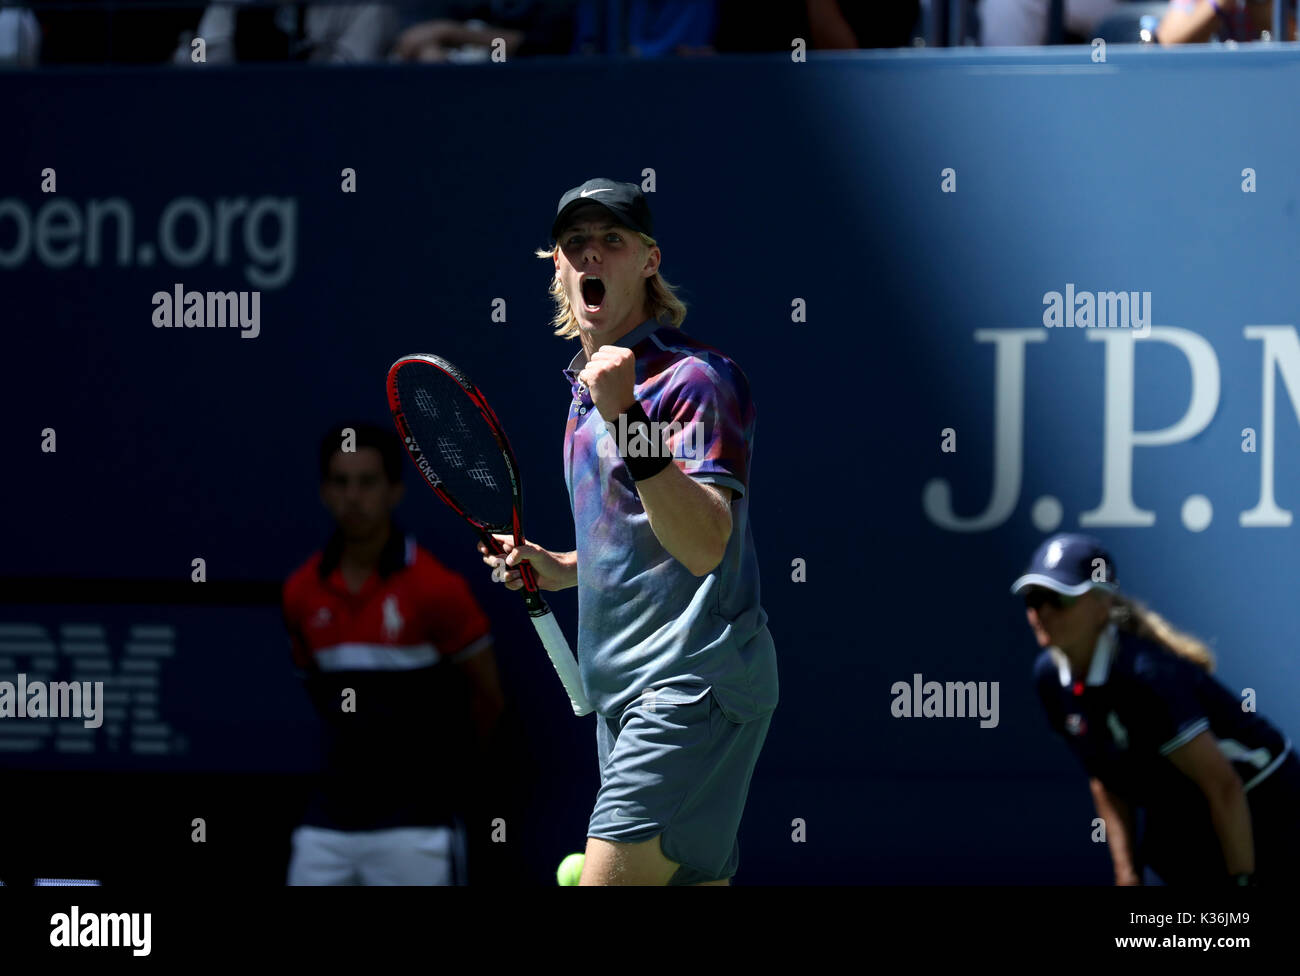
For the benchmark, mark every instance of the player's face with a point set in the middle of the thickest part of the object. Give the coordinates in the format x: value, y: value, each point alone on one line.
x: 603, y: 269
x: 1069, y: 627
x: 358, y: 493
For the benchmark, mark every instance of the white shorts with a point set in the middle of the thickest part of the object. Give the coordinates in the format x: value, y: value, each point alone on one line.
x: 399, y: 856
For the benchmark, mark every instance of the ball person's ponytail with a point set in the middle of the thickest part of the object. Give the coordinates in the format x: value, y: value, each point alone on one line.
x: 1135, y: 618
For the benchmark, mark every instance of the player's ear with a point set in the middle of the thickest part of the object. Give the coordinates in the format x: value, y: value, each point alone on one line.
x: 395, y: 494
x: 652, y: 258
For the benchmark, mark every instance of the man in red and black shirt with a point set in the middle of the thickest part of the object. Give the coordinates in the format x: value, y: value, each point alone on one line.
x: 384, y: 636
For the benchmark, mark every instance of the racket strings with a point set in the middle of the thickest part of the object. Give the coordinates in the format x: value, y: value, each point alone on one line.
x: 426, y: 404
x: 457, y: 443
x: 450, y: 451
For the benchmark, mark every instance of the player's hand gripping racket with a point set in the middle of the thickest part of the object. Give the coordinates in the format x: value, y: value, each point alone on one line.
x: 457, y: 443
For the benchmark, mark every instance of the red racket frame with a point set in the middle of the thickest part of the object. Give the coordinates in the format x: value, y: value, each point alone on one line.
x: 531, y: 595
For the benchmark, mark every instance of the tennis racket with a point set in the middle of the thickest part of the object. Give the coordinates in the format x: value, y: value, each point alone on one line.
x: 457, y: 444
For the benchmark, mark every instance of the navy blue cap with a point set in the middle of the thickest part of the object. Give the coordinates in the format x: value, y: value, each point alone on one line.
x: 624, y: 200
x: 1068, y: 563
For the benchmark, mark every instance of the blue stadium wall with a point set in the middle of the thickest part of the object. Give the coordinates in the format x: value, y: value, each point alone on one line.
x: 870, y: 236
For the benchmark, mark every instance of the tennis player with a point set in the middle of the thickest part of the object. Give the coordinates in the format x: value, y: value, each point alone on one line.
x: 1218, y: 786
x: 673, y: 644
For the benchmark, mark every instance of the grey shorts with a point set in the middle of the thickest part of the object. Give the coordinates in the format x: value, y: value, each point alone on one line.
x: 680, y: 769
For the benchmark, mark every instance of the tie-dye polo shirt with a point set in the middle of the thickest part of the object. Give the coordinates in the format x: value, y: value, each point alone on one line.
x: 646, y: 624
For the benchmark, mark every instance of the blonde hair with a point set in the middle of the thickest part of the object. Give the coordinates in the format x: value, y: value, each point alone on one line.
x: 1136, y: 618
x: 661, y: 297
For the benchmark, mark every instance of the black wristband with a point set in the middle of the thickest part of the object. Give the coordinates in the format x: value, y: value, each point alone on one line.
x: 650, y: 457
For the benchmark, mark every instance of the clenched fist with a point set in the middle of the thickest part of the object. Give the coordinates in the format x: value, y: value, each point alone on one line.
x: 610, y: 375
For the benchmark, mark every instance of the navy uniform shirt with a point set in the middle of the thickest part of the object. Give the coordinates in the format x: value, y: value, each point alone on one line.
x: 1137, y: 704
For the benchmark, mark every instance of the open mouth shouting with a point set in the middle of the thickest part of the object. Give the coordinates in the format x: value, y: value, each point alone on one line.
x: 593, y: 293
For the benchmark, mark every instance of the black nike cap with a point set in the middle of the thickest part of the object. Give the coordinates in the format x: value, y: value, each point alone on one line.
x: 624, y: 200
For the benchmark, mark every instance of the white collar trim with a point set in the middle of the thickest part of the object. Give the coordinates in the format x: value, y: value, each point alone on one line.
x: 1102, y: 656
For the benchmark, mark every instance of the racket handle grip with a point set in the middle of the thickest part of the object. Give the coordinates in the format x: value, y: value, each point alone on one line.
x: 566, y: 666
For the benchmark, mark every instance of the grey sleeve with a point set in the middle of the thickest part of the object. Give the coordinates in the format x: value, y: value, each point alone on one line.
x: 351, y: 34
x: 217, y: 28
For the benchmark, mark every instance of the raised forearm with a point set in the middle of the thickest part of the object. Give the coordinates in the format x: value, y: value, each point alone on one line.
x: 690, y: 520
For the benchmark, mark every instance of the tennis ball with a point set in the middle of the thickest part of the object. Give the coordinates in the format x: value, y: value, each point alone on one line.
x: 570, y: 869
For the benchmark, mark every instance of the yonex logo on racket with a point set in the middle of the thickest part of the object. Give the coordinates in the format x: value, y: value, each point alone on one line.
x: 426, y: 469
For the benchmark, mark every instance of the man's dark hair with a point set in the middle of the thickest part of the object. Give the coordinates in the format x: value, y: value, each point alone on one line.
x: 382, y: 439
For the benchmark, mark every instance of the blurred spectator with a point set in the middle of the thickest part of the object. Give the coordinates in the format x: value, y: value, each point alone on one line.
x: 338, y: 33
x: 825, y: 24
x: 100, y: 31
x: 654, y: 28
x: 1022, y: 23
x: 464, y: 30
x: 397, y: 658
x: 1196, y: 21
x: 20, y: 37
x: 847, y: 24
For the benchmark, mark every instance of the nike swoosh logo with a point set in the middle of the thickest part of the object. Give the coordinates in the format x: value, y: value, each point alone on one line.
x: 587, y: 193
x: 623, y: 816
